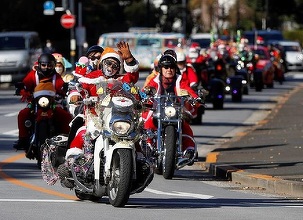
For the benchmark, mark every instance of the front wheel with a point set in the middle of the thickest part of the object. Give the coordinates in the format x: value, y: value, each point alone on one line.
x: 121, y: 176
x: 169, y: 157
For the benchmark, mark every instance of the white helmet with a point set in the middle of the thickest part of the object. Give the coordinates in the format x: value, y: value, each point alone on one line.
x: 181, y: 56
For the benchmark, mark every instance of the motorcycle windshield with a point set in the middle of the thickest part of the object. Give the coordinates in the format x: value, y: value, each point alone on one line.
x: 118, y: 108
x: 118, y: 93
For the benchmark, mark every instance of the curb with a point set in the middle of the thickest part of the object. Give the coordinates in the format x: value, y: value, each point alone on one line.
x: 268, y: 183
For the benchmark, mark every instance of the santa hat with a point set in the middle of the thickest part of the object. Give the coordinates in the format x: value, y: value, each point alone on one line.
x: 44, y: 89
x: 111, y: 53
x: 195, y: 46
x: 260, y: 40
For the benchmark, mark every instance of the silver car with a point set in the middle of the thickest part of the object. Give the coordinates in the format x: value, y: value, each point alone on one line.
x: 18, y: 52
x: 292, y: 55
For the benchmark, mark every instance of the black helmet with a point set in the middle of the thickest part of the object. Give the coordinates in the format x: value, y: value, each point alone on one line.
x: 167, y: 60
x: 171, y: 52
x: 95, y: 49
x: 46, y: 60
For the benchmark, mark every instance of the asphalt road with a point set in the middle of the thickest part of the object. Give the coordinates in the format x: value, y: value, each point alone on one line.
x: 192, y: 194
x: 270, y: 154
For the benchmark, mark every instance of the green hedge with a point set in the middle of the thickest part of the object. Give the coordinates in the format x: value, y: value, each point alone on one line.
x: 296, y: 35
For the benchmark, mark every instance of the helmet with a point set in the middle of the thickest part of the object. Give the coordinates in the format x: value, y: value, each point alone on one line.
x: 181, y: 56
x: 46, y: 64
x: 111, y: 53
x: 167, y: 60
x: 171, y: 52
x: 95, y: 49
x: 93, y: 54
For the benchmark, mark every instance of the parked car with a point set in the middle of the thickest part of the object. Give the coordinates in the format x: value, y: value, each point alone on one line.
x: 292, y: 55
x: 18, y: 52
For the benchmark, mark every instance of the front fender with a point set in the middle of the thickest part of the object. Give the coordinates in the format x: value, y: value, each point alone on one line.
x: 109, y: 151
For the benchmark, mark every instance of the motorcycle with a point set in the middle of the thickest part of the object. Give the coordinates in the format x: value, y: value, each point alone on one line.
x: 216, y: 85
x: 41, y: 125
x: 166, y: 152
x: 110, y: 165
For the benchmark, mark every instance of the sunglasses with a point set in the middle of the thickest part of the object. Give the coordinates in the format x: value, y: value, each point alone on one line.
x: 169, y: 67
x: 111, y: 64
x: 94, y: 58
x: 48, y: 65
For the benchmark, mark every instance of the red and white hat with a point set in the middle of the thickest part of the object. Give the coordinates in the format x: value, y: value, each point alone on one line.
x: 111, y: 53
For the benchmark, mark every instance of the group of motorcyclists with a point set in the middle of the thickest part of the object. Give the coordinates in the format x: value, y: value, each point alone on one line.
x: 174, y: 72
x: 171, y: 75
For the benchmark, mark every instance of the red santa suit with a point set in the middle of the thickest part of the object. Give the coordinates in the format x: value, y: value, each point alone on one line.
x: 89, y: 83
x: 180, y: 83
x: 191, y: 75
x: 61, y: 117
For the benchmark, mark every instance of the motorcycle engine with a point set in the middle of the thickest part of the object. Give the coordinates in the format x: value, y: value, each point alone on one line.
x: 84, y: 169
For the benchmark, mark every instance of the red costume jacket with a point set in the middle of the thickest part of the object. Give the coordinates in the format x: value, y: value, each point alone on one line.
x: 32, y: 79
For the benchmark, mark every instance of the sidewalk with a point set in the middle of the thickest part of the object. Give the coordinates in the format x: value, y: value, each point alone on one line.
x: 270, y: 156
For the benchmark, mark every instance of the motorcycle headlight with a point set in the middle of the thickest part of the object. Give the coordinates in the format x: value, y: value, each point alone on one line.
x: 227, y: 88
x: 43, y: 102
x: 121, y: 127
x: 170, y: 111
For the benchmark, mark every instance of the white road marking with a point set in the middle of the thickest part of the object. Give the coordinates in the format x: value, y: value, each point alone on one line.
x: 182, y: 194
x: 12, y: 133
x: 11, y: 114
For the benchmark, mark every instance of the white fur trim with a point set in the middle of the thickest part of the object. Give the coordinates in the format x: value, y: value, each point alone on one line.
x: 81, y: 129
x: 73, y: 151
x: 131, y: 69
x: 108, y: 55
x: 192, y: 84
x: 91, y: 80
x: 77, y: 74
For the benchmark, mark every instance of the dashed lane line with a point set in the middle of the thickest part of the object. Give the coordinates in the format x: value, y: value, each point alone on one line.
x: 15, y: 181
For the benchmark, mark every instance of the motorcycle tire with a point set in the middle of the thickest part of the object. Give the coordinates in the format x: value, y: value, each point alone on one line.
x: 218, y: 103
x: 169, y: 157
x: 119, y: 186
x: 259, y: 87
x: 236, y: 98
x: 245, y: 90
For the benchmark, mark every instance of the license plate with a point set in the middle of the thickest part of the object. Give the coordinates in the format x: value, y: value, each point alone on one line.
x: 5, y: 78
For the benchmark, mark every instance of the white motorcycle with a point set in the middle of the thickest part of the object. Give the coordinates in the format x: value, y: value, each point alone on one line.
x: 110, y: 165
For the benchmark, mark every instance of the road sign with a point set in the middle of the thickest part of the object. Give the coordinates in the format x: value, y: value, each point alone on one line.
x: 49, y: 5
x: 49, y: 8
x: 68, y: 21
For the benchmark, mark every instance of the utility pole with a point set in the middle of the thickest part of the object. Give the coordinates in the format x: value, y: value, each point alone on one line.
x: 264, y: 19
x: 72, y: 35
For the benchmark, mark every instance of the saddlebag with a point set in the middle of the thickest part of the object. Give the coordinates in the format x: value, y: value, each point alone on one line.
x: 53, y: 154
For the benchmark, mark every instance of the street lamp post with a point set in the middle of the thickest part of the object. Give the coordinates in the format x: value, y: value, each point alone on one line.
x: 72, y: 35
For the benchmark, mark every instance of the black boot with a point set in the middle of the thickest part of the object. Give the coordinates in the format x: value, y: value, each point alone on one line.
x: 22, y: 144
